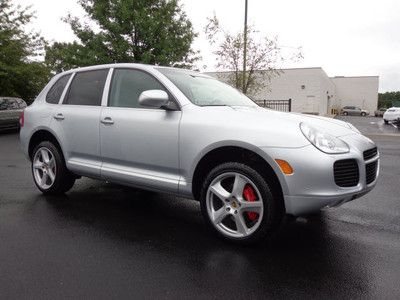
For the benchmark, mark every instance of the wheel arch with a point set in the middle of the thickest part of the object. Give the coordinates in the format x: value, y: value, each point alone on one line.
x: 43, y: 134
x: 242, y: 153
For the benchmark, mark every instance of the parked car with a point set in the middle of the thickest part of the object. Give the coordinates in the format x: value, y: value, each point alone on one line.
x: 380, y: 112
x: 392, y: 114
x: 354, y: 111
x: 186, y: 133
x: 10, y: 111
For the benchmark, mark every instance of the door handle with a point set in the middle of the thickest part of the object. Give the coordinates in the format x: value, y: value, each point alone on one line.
x: 107, y: 121
x: 59, y: 116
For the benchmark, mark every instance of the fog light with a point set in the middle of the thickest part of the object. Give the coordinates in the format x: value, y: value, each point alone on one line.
x: 285, y: 167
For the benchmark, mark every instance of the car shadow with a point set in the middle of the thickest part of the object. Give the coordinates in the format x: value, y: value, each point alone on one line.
x: 303, y: 257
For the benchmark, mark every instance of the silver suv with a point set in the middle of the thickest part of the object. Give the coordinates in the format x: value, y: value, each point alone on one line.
x: 186, y: 133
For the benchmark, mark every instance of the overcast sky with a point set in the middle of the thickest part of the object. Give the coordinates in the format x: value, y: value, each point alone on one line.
x: 344, y: 37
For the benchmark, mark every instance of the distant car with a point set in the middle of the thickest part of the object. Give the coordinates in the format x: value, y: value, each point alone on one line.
x: 380, y: 112
x: 10, y: 111
x: 391, y: 115
x: 353, y: 111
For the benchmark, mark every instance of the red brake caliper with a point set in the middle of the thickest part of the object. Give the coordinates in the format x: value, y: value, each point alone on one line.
x: 250, y: 195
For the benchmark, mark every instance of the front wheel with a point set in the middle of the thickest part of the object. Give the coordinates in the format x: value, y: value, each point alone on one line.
x: 386, y: 121
x: 345, y: 113
x: 238, y: 204
x: 363, y: 114
x: 49, y: 172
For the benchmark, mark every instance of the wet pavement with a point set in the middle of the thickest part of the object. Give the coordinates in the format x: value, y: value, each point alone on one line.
x: 371, y: 126
x: 106, y: 241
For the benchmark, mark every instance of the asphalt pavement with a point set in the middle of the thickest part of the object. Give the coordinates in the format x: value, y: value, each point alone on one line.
x: 371, y: 126
x: 106, y: 241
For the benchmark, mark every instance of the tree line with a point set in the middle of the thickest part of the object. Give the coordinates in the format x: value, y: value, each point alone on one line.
x: 388, y: 99
x: 151, y: 31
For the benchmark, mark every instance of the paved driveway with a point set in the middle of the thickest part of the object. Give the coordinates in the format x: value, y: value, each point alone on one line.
x: 370, y: 125
x: 103, y: 241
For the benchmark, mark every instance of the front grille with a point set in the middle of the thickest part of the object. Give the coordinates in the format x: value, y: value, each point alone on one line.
x: 368, y: 154
x: 346, y: 172
x: 370, y: 171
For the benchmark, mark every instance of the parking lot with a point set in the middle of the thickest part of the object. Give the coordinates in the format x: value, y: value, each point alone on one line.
x: 371, y: 126
x: 102, y: 240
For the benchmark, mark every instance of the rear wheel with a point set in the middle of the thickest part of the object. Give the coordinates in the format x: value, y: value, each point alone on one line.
x: 345, y: 113
x: 363, y: 114
x: 237, y: 203
x: 49, y: 172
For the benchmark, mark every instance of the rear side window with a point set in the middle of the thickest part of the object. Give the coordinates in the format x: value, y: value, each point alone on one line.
x: 128, y: 84
x: 54, y: 94
x: 87, y: 88
x: 22, y: 104
x: 12, y: 104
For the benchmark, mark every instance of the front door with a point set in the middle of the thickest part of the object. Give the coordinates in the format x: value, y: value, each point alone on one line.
x: 139, y: 146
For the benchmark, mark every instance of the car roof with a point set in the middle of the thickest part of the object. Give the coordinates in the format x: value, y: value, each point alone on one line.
x: 105, y: 66
x: 129, y: 65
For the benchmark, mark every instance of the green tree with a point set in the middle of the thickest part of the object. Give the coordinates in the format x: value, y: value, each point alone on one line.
x: 388, y: 99
x: 21, y: 72
x: 145, y: 31
x: 262, y: 62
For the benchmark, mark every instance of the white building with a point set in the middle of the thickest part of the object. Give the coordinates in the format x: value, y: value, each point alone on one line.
x: 313, y: 91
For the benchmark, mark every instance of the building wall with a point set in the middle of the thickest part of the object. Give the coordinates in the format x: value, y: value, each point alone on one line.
x: 303, y: 86
x: 357, y: 91
x: 312, y: 91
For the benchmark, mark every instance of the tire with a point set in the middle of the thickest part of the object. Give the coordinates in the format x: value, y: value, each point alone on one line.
x: 363, y: 114
x: 345, y: 113
x: 58, y: 178
x: 260, y: 223
x: 386, y: 122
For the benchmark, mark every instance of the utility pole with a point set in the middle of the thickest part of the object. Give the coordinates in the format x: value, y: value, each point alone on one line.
x: 244, y: 46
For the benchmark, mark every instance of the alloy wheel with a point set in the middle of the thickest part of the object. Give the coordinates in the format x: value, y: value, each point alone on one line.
x: 234, y: 205
x: 44, y: 168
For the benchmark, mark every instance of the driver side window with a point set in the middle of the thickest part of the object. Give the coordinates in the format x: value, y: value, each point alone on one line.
x: 128, y: 84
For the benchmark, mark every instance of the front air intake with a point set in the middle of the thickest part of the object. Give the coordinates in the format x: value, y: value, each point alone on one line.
x: 346, y: 172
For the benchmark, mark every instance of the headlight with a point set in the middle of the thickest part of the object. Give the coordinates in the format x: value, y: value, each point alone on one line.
x: 352, y: 127
x: 324, y: 141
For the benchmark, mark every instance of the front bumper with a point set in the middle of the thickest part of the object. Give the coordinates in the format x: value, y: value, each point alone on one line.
x: 312, y: 185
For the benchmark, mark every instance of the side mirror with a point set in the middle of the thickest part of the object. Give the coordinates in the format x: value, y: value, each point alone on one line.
x: 153, y: 98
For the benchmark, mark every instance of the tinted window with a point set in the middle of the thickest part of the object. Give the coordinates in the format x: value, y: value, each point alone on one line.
x: 11, y: 104
x: 87, y: 88
x: 54, y: 94
x: 22, y: 104
x: 128, y: 84
x: 3, y: 104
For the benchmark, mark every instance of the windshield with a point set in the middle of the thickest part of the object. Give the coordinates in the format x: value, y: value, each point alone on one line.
x: 205, y: 91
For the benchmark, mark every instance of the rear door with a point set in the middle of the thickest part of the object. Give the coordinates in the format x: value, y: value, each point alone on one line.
x: 15, y: 111
x: 77, y: 119
x: 9, y: 113
x: 139, y: 145
x: 350, y: 110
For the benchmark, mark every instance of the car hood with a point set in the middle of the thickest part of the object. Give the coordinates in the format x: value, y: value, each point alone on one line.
x: 278, y: 119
